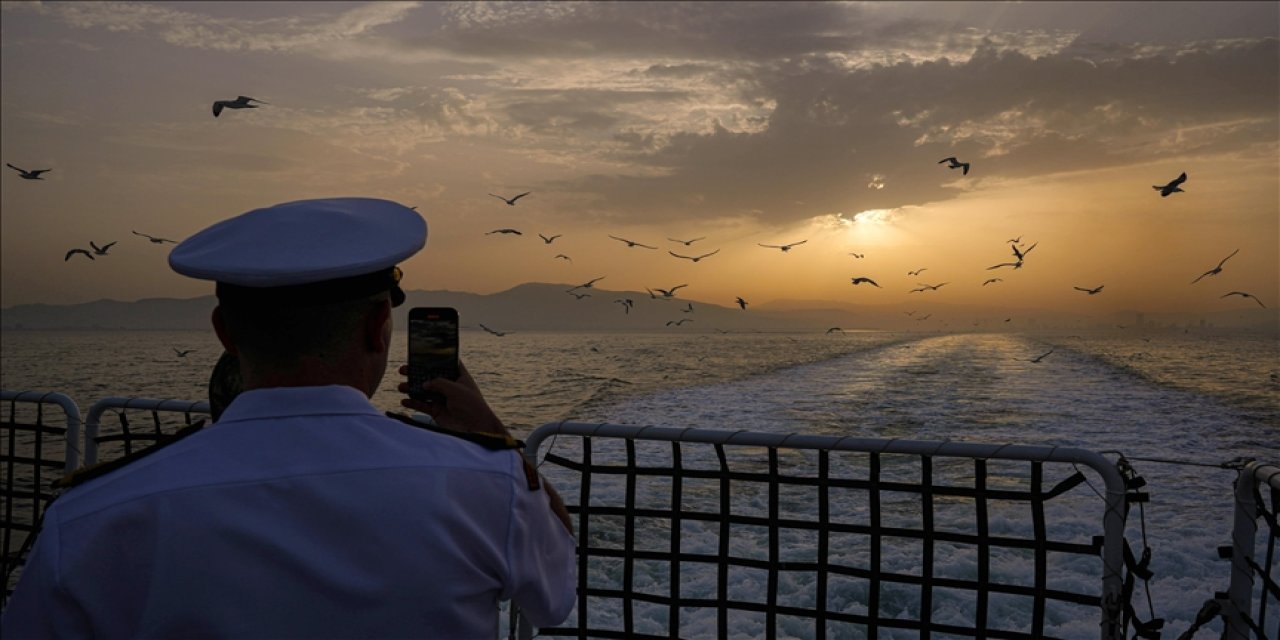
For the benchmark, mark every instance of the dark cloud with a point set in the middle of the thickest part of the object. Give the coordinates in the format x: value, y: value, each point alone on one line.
x: 1008, y: 113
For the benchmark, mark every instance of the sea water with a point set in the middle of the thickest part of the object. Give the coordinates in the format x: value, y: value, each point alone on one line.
x: 1168, y: 397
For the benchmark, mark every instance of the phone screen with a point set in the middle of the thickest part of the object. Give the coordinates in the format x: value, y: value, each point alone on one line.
x: 433, y: 347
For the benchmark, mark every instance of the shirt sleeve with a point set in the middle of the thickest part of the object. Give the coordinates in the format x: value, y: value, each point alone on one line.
x: 39, y: 607
x: 541, y: 556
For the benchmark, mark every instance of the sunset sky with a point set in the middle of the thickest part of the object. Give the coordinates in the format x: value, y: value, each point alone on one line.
x: 742, y: 123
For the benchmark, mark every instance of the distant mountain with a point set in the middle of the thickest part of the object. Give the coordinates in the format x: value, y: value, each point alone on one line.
x: 548, y: 307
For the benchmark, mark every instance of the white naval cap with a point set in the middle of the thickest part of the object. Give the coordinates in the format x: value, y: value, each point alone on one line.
x: 306, y: 251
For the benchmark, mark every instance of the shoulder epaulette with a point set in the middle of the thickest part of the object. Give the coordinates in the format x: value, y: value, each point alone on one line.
x: 492, y: 441
x: 85, y: 474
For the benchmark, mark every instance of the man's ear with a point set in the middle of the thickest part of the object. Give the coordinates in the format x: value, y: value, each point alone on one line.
x: 224, y: 336
x: 377, y: 327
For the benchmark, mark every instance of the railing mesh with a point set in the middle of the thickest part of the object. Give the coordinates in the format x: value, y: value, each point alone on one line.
x: 681, y: 539
x: 1263, y: 565
x: 119, y: 427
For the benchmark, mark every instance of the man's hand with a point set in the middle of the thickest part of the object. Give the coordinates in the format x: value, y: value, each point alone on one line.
x: 464, y: 408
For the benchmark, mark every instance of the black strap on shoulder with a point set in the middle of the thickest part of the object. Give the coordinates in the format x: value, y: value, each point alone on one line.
x: 492, y: 441
x: 85, y: 474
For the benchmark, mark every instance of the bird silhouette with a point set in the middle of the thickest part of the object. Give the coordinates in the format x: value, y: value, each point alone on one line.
x: 688, y: 308
x: 494, y: 332
x: 1172, y: 187
x: 1015, y: 265
x: 563, y: 256
x: 858, y: 255
x: 956, y: 164
x: 784, y: 247
x: 741, y: 303
x: 695, y: 258
x: 33, y: 174
x: 1022, y: 254
x: 578, y: 295
x: 182, y: 354
x: 101, y: 251
x: 1246, y: 295
x: 917, y: 271
x: 669, y: 293
x: 928, y: 287
x: 626, y: 303
x: 1017, y: 240
x: 241, y: 102
x: 154, y: 239
x: 588, y: 284
x: 1093, y: 292
x: 1216, y: 270
x: 688, y: 242
x: 547, y: 240
x: 860, y: 280
x: 1041, y: 356
x: 679, y: 322
x: 632, y: 243
x: 511, y: 202
x: 506, y: 231
x: 991, y: 280
x: 75, y: 251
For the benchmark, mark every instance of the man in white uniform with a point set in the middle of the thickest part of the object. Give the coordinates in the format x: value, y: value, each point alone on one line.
x: 304, y: 511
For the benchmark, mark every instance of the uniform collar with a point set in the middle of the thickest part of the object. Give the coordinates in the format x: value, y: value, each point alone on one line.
x: 281, y: 402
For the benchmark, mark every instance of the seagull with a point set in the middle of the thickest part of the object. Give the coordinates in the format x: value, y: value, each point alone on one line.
x: 1017, y: 240
x: 924, y: 317
x: 578, y: 295
x: 632, y: 243
x: 741, y: 303
x: 858, y: 255
x: 679, y: 322
x: 860, y: 280
x: 508, y: 231
x: 917, y: 272
x: 695, y: 258
x: 1216, y: 270
x: 182, y: 354
x: 511, y: 202
x: 587, y: 285
x: 101, y: 251
x: 1022, y: 254
x: 956, y: 164
x: 562, y: 256
x: 1040, y: 357
x: 153, y: 238
x: 785, y: 247
x: 496, y: 333
x: 33, y: 174
x: 1015, y: 265
x: 688, y: 308
x: 991, y: 281
x: 688, y: 242
x: 626, y: 304
x: 551, y: 239
x: 75, y: 251
x: 241, y: 102
x: 910, y: 313
x: 669, y: 293
x: 1091, y: 292
x: 928, y: 287
x: 1172, y: 187
x: 1246, y: 295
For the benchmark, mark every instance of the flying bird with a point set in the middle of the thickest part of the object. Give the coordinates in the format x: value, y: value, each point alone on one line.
x: 858, y: 255
x: 695, y: 258
x: 1092, y: 292
x: 241, y: 102
x: 668, y: 293
x: 928, y: 287
x: 679, y: 322
x: 1041, y: 356
x: 1216, y: 270
x: 991, y: 280
x: 1246, y: 295
x: 578, y: 295
x: 75, y: 251
x: 496, y: 333
x: 860, y: 280
x: 101, y: 251
x: 511, y: 202
x: 154, y: 239
x: 626, y: 304
x: 1022, y: 254
x: 551, y: 239
x: 33, y: 174
x: 562, y: 256
x: 588, y: 285
x: 1017, y: 240
x: 1174, y: 186
x: 917, y: 272
x: 688, y: 242
x: 784, y: 247
x: 956, y: 164
x: 507, y: 231
x: 1015, y: 265
x: 688, y: 308
x: 632, y: 243
x: 182, y: 354
x: 741, y: 303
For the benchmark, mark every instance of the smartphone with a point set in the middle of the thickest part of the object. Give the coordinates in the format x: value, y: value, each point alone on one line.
x: 433, y: 348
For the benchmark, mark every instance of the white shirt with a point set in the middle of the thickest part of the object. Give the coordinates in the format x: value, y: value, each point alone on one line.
x: 304, y: 512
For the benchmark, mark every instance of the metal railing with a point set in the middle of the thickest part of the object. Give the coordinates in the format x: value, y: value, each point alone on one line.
x: 123, y: 435
x: 1257, y: 496
x: 853, y: 510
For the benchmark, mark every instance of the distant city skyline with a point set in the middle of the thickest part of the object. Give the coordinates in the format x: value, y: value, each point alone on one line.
x: 744, y: 124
